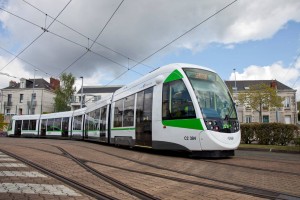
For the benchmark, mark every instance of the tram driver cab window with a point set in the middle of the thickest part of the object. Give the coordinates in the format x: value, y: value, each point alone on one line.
x: 177, y: 103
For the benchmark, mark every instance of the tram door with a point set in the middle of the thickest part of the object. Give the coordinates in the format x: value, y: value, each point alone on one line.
x: 143, y: 133
x: 43, y: 127
x: 65, y: 127
x: 103, y: 127
x: 18, y: 126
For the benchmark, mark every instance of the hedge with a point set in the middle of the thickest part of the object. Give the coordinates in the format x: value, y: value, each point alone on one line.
x: 269, y: 133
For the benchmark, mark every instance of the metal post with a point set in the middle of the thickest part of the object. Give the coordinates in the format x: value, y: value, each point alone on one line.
x: 235, y: 88
x: 42, y: 101
x: 32, y: 92
x: 81, y: 102
x: 1, y: 94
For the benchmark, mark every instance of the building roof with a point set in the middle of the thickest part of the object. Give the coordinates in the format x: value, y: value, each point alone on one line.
x: 98, y: 89
x: 243, y: 84
x: 38, y: 83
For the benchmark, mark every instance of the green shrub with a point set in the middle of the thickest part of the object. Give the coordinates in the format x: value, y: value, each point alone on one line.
x: 269, y: 133
x: 248, y: 133
x: 297, y: 141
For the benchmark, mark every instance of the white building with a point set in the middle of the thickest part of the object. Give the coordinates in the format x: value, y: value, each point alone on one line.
x: 287, y: 114
x: 30, y: 96
x: 91, y: 94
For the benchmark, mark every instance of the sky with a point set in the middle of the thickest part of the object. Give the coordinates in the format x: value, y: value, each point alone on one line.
x: 114, y: 42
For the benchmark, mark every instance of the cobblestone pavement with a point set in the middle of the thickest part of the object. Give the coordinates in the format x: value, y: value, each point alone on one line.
x: 148, y: 171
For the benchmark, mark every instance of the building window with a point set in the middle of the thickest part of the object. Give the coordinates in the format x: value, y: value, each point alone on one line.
x: 7, y: 111
x: 288, y: 119
x: 9, y: 98
x: 287, y: 102
x: 248, y: 118
x: 266, y: 119
x: 21, y: 98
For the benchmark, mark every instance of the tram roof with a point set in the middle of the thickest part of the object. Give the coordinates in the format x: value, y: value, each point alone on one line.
x: 164, y: 70
x: 24, y: 117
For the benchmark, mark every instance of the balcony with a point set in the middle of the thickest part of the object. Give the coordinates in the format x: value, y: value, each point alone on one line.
x: 8, y: 104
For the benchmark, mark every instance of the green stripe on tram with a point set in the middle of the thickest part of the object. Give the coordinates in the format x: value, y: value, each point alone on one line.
x: 175, y: 75
x: 184, y: 123
x: 123, y: 129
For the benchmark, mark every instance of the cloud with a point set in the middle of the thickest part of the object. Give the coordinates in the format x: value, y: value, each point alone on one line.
x: 14, y: 72
x: 286, y: 75
x: 138, y: 29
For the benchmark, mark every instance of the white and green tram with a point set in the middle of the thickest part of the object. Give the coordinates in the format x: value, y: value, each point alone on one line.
x: 180, y: 107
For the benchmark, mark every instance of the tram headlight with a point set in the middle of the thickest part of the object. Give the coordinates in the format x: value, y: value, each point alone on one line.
x: 212, y: 125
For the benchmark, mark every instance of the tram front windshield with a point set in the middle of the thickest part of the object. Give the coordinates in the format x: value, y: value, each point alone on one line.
x: 212, y: 94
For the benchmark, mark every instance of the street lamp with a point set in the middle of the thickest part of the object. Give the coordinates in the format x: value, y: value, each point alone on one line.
x: 235, y: 88
x: 81, y: 92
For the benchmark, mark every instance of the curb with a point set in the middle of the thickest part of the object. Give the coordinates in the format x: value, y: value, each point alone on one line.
x: 268, y: 150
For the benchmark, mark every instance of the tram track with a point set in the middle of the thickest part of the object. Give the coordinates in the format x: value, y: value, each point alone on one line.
x: 88, y: 190
x: 204, y: 160
x: 136, y: 192
x: 75, y: 184
x: 252, y: 168
x: 253, y: 191
x: 243, y: 189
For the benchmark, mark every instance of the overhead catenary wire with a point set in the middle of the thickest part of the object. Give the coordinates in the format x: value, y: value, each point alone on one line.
x: 71, y: 41
x: 172, y: 41
x: 88, y: 38
x: 35, y: 38
x: 89, y: 48
x: 34, y: 66
x: 293, y: 65
x: 107, y: 23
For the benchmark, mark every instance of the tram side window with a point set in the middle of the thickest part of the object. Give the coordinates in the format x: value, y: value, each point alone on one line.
x: 103, y: 119
x: 92, y: 120
x: 25, y: 125
x: 65, y: 123
x: 50, y: 124
x: 128, y: 114
x: 77, y: 122
x: 177, y: 103
x: 32, y: 125
x: 43, y: 125
x: 118, y: 114
x: 57, y: 124
x: 96, y: 120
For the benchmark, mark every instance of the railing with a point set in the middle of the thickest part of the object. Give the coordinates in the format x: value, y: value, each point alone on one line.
x: 8, y: 103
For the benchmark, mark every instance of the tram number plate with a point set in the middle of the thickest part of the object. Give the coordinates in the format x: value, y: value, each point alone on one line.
x: 190, y: 138
x: 230, y: 138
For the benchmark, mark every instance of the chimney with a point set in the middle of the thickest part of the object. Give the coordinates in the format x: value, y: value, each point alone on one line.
x: 274, y: 84
x: 12, y: 83
x: 54, y: 83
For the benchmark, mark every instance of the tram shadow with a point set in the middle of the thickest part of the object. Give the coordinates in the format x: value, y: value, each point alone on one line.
x: 181, y: 154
